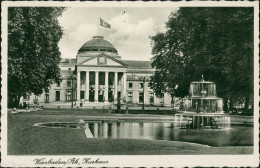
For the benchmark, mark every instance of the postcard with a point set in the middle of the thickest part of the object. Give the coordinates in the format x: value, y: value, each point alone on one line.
x: 129, y: 84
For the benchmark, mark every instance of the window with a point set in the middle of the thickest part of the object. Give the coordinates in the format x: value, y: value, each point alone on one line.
x: 91, y: 78
x: 130, y: 85
x: 101, y: 78
x: 82, y: 79
x: 68, y: 83
x: 58, y: 84
x: 69, y: 69
x: 151, y: 98
x: 130, y: 97
x: 68, y: 96
x: 141, y: 85
x: 82, y: 94
x: 141, y: 97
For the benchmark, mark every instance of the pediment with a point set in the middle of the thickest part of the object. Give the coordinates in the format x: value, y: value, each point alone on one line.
x: 102, y: 60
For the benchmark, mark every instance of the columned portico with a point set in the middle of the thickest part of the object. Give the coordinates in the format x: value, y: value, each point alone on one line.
x: 98, y: 86
x: 103, y: 78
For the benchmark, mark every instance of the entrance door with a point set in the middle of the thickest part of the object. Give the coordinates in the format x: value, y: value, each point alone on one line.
x: 57, y: 96
x: 101, y: 96
x: 91, y: 95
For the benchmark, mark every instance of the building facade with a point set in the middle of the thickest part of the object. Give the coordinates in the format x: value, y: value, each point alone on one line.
x: 99, y: 75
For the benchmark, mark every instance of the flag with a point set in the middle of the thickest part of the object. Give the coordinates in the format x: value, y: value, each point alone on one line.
x: 104, y: 24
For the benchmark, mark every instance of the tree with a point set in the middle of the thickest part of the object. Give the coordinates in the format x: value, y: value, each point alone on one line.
x: 215, y: 42
x: 33, y: 53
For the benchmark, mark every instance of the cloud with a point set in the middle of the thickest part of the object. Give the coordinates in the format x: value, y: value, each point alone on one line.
x: 128, y: 34
x: 73, y: 40
x: 132, y: 39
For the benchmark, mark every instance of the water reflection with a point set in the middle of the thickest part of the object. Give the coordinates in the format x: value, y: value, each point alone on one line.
x: 237, y: 136
x: 165, y: 131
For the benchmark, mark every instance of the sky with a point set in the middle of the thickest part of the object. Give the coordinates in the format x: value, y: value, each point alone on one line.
x: 129, y: 32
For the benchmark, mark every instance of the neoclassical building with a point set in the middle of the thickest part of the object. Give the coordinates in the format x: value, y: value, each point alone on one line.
x: 99, y: 75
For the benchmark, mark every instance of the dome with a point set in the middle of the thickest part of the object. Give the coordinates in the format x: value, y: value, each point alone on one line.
x: 98, y: 43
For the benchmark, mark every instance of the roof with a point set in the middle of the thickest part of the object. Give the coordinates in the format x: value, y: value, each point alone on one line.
x: 98, y: 42
x: 129, y: 63
x: 67, y: 62
x: 137, y: 78
x: 138, y: 64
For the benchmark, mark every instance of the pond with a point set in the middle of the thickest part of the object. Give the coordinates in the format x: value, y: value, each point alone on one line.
x: 237, y: 135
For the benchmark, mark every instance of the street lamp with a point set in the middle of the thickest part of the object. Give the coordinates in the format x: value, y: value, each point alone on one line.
x: 72, y: 77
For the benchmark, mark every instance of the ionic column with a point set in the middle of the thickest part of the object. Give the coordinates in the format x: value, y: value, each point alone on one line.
x: 96, y: 130
x: 78, y: 85
x: 105, y: 130
x: 87, y: 87
x: 114, y: 130
x: 115, y: 85
x: 106, y: 86
x: 124, y: 86
x: 96, y: 86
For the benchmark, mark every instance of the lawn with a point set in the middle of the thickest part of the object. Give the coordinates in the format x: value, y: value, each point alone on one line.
x: 26, y: 139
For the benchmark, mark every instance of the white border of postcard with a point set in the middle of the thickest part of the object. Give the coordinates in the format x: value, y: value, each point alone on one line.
x: 133, y: 160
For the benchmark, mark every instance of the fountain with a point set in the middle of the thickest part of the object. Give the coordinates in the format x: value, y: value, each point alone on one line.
x: 205, y: 109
